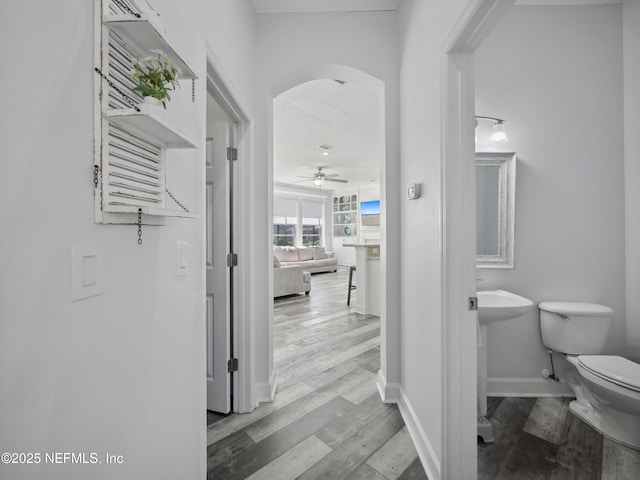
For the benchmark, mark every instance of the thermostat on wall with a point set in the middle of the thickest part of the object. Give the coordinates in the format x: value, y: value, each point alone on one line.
x: 413, y: 191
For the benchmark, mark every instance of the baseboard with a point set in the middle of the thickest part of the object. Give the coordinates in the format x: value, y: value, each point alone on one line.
x: 389, y: 392
x: 428, y: 458
x: 527, y: 387
x: 266, y: 392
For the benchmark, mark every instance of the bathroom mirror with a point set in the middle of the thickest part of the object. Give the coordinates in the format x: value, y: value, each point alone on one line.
x: 495, y: 212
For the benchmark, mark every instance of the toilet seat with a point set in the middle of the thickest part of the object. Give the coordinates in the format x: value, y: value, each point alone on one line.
x: 614, y: 369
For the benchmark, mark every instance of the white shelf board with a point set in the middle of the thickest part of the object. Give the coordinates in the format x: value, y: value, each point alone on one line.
x: 143, y: 35
x: 155, y: 211
x: 151, y: 127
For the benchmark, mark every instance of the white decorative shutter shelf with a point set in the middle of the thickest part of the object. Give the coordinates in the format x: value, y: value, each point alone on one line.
x: 154, y: 211
x: 144, y: 34
x: 131, y: 140
x: 150, y: 126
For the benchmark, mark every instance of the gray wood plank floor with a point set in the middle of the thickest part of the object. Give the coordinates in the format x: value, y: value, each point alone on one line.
x: 540, y: 439
x: 327, y: 421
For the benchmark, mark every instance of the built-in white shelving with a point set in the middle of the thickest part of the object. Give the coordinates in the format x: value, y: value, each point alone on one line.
x: 345, y: 216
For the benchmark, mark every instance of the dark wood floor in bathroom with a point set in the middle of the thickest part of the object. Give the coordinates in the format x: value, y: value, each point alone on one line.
x: 540, y: 439
x: 327, y: 421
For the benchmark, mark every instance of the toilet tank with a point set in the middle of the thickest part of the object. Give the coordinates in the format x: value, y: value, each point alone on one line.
x: 574, y: 328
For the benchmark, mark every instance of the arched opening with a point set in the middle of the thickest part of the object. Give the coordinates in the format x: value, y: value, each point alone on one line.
x: 388, y: 332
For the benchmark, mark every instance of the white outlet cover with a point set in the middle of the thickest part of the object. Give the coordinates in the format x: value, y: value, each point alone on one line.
x: 86, y: 271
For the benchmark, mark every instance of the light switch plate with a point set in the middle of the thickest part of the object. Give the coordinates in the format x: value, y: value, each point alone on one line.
x: 413, y: 191
x: 86, y: 271
x: 182, y: 254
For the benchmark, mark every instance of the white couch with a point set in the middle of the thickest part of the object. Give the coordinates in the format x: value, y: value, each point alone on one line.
x: 289, y: 279
x: 311, y: 259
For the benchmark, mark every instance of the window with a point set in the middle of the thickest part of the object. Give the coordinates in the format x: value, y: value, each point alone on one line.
x: 297, y: 222
x: 311, y: 235
x: 311, y: 224
x: 285, y: 219
x: 284, y: 234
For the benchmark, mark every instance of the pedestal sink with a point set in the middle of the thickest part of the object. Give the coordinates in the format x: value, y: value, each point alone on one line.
x: 497, y: 305
x: 493, y: 306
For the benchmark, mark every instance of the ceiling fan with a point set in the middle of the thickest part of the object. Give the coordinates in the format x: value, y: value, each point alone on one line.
x: 320, y: 178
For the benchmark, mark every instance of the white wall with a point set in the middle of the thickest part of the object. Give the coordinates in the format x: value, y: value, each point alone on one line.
x: 424, y: 26
x: 287, y: 43
x: 122, y: 372
x: 561, y: 95
x: 631, y: 39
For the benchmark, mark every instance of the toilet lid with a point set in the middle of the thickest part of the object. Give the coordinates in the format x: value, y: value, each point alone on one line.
x: 614, y: 369
x: 576, y: 308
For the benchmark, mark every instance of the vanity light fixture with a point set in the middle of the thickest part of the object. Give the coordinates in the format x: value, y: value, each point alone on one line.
x: 498, y: 135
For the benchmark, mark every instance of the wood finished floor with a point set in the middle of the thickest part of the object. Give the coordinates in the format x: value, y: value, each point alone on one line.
x: 327, y: 420
x: 540, y: 439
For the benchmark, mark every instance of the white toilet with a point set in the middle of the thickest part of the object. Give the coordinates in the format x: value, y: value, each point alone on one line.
x: 607, y: 387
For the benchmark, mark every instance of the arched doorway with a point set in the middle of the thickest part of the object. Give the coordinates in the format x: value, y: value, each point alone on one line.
x: 388, y: 377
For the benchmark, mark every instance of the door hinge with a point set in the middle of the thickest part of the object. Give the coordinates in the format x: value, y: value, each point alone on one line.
x: 232, y: 260
x: 232, y: 153
x: 473, y: 303
x: 232, y: 365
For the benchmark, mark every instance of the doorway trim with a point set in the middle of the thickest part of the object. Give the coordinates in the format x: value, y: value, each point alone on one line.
x: 459, y: 327
x: 219, y: 85
x: 389, y: 374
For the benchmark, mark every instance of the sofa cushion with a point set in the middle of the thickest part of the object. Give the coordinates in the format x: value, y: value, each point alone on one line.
x: 305, y: 253
x: 276, y: 262
x: 319, y: 253
x: 287, y: 254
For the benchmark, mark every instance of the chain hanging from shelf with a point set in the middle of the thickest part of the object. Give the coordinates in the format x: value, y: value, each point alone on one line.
x: 139, y: 226
x: 176, y: 200
x: 115, y: 87
x: 126, y: 7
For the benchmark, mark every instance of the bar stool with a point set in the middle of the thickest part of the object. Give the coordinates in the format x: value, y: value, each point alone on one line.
x: 352, y: 286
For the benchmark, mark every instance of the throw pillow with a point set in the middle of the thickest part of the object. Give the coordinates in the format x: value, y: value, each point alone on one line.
x: 305, y: 253
x: 287, y: 254
x: 319, y: 253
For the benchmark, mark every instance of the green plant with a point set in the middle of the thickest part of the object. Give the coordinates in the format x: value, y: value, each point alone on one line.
x: 155, y: 76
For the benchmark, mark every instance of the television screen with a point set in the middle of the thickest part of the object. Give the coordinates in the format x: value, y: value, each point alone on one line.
x: 370, y: 212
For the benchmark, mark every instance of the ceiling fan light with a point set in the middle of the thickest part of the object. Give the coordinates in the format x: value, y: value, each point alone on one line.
x: 499, y: 135
x: 318, y: 181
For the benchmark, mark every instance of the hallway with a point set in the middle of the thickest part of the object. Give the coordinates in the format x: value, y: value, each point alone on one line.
x: 327, y: 420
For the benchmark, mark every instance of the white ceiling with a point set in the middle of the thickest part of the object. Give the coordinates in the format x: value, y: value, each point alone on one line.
x: 315, y: 6
x: 566, y: 3
x: 308, y: 6
x: 344, y: 116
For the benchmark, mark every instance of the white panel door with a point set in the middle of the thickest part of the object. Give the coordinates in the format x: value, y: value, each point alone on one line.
x: 218, y: 291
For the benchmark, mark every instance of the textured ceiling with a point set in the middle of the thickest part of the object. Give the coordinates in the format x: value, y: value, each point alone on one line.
x: 342, y: 115
x: 308, y: 6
